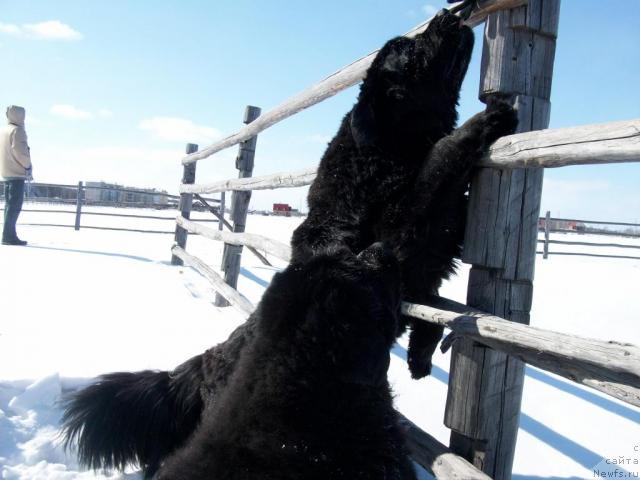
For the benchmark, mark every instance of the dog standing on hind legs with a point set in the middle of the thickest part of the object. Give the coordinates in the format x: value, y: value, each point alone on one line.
x: 309, y: 397
x: 397, y: 172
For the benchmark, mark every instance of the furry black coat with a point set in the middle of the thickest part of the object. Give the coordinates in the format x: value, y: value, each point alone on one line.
x: 308, y: 397
x: 398, y: 172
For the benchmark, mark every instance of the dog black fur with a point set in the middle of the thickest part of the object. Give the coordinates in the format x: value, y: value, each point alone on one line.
x: 394, y: 172
x: 397, y: 172
x: 309, y: 396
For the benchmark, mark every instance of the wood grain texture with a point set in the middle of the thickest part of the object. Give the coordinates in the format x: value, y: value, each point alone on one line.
x: 435, y: 457
x: 298, y: 178
x: 485, y: 386
x: 260, y: 242
x: 342, y: 79
x: 232, y: 254
x: 611, y: 367
x: 186, y: 202
x: 613, y: 142
x: 217, y: 282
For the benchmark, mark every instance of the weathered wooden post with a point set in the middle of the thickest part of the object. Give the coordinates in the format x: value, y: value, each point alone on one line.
x: 485, y: 386
x: 547, y: 227
x: 186, y: 199
x: 79, y: 202
x: 222, y: 207
x: 239, y: 207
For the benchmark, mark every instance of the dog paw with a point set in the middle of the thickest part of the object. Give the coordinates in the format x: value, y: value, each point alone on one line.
x: 500, y: 119
x: 423, y: 340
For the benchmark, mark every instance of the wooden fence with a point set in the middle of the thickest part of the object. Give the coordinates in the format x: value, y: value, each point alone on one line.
x: 551, y: 225
x: 491, y: 337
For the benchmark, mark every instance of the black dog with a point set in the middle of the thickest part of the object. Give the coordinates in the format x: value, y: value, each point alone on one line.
x: 309, y: 398
x: 394, y: 172
x: 397, y: 172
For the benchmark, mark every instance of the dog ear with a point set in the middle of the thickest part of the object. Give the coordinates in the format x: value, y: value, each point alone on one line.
x: 362, y: 123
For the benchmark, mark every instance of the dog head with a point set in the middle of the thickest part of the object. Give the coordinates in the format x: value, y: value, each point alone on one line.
x: 412, y: 88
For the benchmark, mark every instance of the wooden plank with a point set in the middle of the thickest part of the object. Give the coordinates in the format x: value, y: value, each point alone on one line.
x: 435, y: 457
x: 223, y: 206
x: 593, y: 244
x: 223, y: 223
x: 342, y: 79
x: 266, y: 244
x: 294, y: 179
x: 232, y: 254
x: 626, y: 257
x: 485, y: 386
x: 598, y: 222
x: 547, y: 221
x: 231, y: 294
x: 614, y: 142
x: 609, y: 366
x: 186, y: 201
x: 79, y: 202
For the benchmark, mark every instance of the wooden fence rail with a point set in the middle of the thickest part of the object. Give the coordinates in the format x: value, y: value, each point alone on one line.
x: 589, y: 144
x: 608, y: 366
x: 277, y: 249
x: 218, y: 283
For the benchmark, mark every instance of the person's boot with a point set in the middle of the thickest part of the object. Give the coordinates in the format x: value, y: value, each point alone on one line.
x: 14, y: 241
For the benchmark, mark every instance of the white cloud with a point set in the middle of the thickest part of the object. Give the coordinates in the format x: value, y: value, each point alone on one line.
x: 48, y: 30
x: 105, y: 113
x: 10, y: 29
x: 179, y: 130
x: 70, y: 112
x: 429, y: 10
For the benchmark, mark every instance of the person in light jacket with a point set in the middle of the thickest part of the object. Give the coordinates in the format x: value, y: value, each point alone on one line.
x: 15, y: 163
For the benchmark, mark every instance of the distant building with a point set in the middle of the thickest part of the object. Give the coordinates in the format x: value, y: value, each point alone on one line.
x: 110, y: 193
x: 283, y: 209
x: 570, y: 225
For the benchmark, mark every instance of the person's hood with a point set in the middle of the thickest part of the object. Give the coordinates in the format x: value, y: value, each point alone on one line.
x: 15, y: 115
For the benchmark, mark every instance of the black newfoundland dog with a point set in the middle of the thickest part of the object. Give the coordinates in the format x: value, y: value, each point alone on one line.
x: 396, y: 172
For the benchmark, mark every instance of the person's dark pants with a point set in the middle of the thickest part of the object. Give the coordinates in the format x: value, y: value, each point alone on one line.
x: 13, y: 198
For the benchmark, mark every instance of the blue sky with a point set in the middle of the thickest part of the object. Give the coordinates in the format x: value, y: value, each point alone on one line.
x: 113, y: 89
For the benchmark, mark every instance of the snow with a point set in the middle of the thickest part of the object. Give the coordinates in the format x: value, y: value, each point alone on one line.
x: 76, y: 304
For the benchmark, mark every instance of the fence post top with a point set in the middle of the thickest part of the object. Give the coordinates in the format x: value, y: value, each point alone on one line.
x: 251, y: 113
x: 191, y: 148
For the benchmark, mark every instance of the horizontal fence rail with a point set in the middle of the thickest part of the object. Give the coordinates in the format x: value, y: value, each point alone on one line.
x: 436, y: 457
x: 595, y: 222
x: 331, y: 85
x: 231, y: 294
x: 597, y: 255
x: 610, y: 367
x: 590, y: 144
x: 299, y: 178
x: 277, y: 249
x: 613, y: 142
x: 590, y: 244
x: 116, y: 229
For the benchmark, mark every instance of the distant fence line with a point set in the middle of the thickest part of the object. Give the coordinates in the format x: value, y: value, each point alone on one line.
x: 76, y: 194
x: 550, y: 225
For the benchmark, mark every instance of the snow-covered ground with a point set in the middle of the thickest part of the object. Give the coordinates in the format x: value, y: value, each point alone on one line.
x: 74, y: 304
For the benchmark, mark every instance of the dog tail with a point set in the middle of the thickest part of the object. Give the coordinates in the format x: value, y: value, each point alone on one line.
x: 134, y: 418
